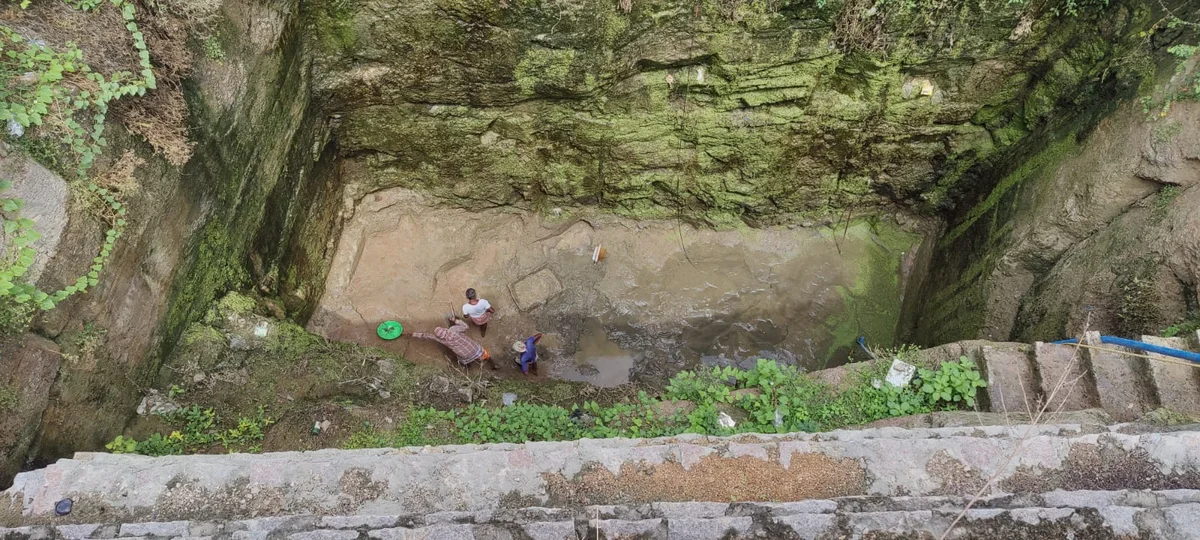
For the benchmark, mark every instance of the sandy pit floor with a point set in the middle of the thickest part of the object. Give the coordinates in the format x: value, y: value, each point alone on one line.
x: 665, y: 297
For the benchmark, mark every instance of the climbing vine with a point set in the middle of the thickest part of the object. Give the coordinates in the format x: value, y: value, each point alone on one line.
x: 43, y: 84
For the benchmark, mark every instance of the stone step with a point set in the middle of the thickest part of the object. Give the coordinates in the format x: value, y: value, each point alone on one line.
x: 1059, y: 514
x: 885, y: 462
x: 1176, y: 385
x: 1012, y: 382
x: 1063, y: 377
x: 1122, y: 381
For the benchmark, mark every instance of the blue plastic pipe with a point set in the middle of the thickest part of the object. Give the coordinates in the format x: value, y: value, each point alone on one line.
x: 1140, y: 346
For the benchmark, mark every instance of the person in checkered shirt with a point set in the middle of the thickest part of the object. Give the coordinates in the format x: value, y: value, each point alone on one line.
x: 455, y: 337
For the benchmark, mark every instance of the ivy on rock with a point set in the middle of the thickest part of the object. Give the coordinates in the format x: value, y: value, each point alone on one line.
x: 36, y: 87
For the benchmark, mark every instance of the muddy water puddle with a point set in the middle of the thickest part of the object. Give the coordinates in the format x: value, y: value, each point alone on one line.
x: 665, y: 298
x: 597, y: 359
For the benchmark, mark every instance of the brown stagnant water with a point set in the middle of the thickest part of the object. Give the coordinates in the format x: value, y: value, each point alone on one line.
x: 666, y: 297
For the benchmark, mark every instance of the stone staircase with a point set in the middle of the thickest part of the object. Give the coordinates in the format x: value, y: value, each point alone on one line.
x: 1126, y: 387
x: 1171, y: 514
x: 1046, y: 481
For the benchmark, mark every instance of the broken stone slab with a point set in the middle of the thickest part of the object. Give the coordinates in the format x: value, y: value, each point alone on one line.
x: 168, y: 529
x: 1121, y: 381
x: 809, y: 526
x: 716, y: 528
x: 613, y: 529
x: 1177, y: 384
x: 553, y: 530
x: 535, y: 289
x: 1067, y: 365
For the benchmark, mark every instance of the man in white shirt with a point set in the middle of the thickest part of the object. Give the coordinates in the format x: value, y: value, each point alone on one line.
x: 478, y: 310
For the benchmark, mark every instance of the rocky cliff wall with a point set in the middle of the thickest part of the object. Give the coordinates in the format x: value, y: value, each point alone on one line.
x: 1096, y: 230
x: 223, y: 220
x: 720, y: 111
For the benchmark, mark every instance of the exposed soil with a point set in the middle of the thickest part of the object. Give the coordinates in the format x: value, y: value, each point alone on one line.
x: 715, y: 479
x: 664, y: 298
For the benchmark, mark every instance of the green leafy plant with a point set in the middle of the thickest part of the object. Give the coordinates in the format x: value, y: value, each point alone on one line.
x: 122, y: 445
x: 33, y: 74
x: 769, y: 398
x: 84, y: 5
x: 905, y: 401
x: 1182, y: 328
x: 197, y: 430
x: 953, y: 383
x: 213, y: 50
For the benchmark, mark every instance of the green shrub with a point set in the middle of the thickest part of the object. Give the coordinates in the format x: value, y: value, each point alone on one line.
x: 197, y: 430
x: 953, y: 384
x: 770, y: 398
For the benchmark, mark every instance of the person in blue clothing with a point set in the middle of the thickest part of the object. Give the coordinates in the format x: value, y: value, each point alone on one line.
x: 527, y: 353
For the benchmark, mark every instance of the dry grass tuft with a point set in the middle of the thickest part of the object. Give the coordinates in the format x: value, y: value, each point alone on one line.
x: 859, y: 27
x: 120, y: 177
x: 161, y: 115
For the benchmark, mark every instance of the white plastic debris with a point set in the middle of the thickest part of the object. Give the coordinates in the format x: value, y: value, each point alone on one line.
x: 900, y: 373
x: 261, y: 329
x: 700, y: 74
x: 725, y: 421
x: 509, y: 398
x: 15, y: 129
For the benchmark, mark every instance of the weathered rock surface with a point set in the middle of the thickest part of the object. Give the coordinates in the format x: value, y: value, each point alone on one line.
x: 1177, y: 383
x: 44, y: 196
x: 28, y: 367
x: 720, y: 112
x: 1165, y: 514
x: 887, y: 462
x: 1092, y: 232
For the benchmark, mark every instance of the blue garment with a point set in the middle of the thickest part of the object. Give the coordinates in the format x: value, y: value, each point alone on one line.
x: 529, y: 357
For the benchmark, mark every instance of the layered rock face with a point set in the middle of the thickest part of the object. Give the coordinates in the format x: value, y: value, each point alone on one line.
x: 1096, y: 231
x: 721, y: 111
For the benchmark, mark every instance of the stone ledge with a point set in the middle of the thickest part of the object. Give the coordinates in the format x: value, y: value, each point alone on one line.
x: 461, y: 483
x: 1168, y: 514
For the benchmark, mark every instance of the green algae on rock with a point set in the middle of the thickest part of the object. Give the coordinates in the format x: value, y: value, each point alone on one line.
x: 714, y: 112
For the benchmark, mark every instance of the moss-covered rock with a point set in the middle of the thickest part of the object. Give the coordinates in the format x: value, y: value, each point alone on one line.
x: 717, y: 110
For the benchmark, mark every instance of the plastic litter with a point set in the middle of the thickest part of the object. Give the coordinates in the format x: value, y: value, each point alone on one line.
x: 389, y: 330
x: 509, y: 399
x: 260, y: 330
x: 726, y: 421
x: 63, y: 507
x: 900, y: 373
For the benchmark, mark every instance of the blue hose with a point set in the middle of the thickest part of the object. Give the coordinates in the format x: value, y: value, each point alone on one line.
x: 862, y: 342
x: 1140, y: 346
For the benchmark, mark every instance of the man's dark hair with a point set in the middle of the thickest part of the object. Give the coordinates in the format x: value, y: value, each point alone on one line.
x: 470, y: 294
